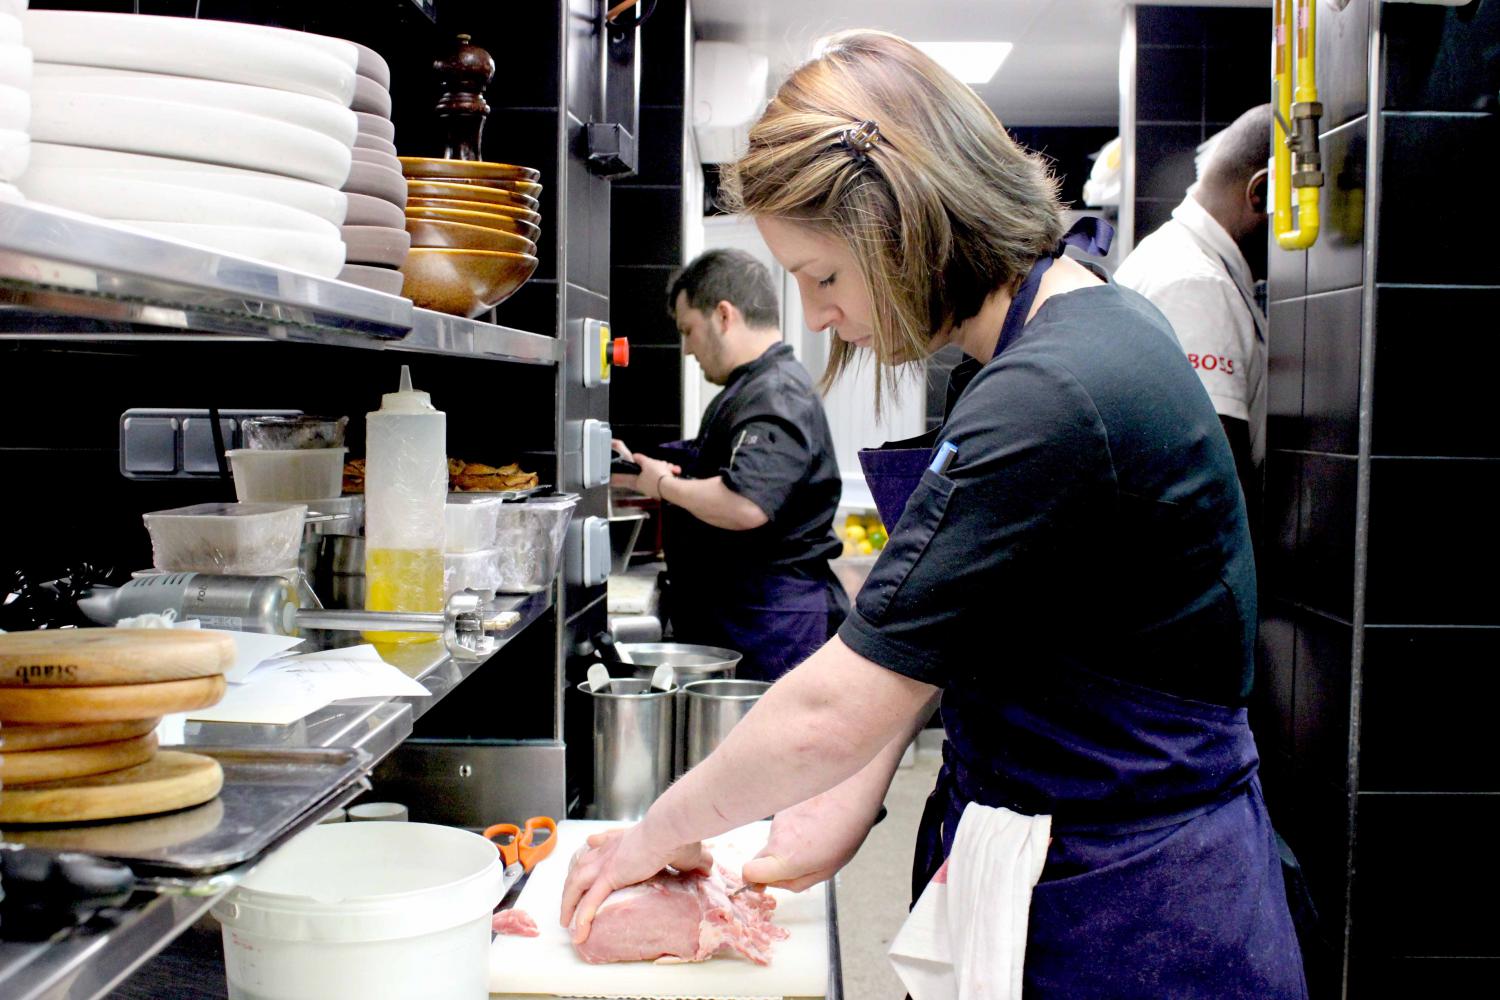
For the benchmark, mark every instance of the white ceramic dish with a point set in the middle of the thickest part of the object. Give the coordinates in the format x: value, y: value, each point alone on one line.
x: 15, y: 66
x: 132, y: 198
x: 367, y: 211
x: 212, y: 50
x: 93, y: 166
x: 344, y: 51
x: 373, y: 65
x: 370, y: 97
x: 14, y: 8
x: 10, y: 28
x: 376, y: 144
x: 317, y: 255
x: 15, y: 153
x: 377, y: 182
x: 15, y: 108
x: 381, y: 128
x: 189, y: 132
x: 382, y: 279
x: 375, y: 245
x: 316, y: 113
x: 10, y: 194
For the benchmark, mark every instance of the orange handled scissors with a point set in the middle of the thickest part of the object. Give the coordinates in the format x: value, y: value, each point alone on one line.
x: 520, y: 844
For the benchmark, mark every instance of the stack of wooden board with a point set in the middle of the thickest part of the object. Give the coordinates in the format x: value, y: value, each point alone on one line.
x: 77, y: 712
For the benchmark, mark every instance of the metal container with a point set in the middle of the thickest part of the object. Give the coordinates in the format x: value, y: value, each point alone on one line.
x: 633, y: 727
x: 689, y: 663
x: 712, y: 709
x: 339, y: 579
x: 530, y: 537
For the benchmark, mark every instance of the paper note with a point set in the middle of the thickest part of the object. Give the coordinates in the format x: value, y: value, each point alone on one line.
x: 283, y: 690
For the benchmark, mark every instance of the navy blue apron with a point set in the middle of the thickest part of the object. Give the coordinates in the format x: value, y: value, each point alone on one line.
x: 893, y: 470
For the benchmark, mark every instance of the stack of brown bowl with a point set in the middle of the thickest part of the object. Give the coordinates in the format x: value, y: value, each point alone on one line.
x: 79, y: 708
x: 474, y: 227
x: 374, y: 239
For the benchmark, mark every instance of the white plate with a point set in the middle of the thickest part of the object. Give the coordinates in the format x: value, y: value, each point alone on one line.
x: 317, y: 255
x: 180, y: 46
x: 375, y: 143
x: 122, y: 197
x: 344, y: 51
x: 367, y: 211
x: 15, y: 153
x: 320, y: 115
x: 15, y: 8
x: 376, y: 125
x: 188, y: 132
x: 377, y: 182
x: 15, y: 108
x: 10, y: 28
x: 15, y: 66
x: 88, y: 166
x: 382, y: 279
x: 8, y: 193
x: 371, y: 98
x: 373, y: 65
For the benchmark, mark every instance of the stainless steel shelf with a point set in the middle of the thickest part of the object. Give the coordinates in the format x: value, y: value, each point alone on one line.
x: 88, y: 963
x: 65, y: 276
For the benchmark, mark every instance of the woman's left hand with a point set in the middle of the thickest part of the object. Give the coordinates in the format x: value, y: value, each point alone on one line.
x: 616, y: 859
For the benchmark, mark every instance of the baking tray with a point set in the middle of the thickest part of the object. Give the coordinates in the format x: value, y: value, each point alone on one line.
x: 267, y: 796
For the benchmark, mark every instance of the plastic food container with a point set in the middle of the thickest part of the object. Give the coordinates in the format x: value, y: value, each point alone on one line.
x: 379, y: 911
x: 470, y: 521
x: 530, y: 539
x: 242, y: 538
x: 293, y: 433
x: 312, y: 474
x: 471, y: 571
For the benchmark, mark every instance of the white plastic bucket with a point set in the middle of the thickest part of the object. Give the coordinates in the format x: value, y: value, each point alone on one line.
x: 379, y: 911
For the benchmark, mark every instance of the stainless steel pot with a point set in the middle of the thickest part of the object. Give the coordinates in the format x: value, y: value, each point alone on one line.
x: 689, y: 663
x: 713, y: 708
x: 632, y: 746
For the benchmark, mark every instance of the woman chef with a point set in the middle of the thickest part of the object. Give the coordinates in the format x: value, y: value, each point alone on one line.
x: 1071, y: 576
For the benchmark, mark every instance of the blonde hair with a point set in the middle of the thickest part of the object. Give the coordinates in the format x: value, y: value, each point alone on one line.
x: 940, y: 210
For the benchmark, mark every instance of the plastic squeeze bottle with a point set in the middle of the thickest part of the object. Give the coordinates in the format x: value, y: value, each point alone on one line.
x: 406, y: 486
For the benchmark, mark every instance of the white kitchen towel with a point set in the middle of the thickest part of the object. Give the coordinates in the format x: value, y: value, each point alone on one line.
x: 966, y: 937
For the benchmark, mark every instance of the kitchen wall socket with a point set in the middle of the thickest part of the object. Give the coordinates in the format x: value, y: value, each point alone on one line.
x: 165, y: 443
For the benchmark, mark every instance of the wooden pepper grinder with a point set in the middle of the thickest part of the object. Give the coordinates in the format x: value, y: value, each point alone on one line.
x: 464, y: 74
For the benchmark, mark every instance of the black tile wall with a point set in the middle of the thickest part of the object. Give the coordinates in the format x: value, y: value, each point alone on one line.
x: 650, y: 390
x: 1069, y: 149
x: 1337, y: 260
x: 533, y: 307
x: 1279, y: 547
x: 1428, y: 709
x: 1406, y: 900
x: 664, y: 40
x: 1236, y: 76
x: 1429, y: 190
x: 639, y: 295
x: 1434, y: 397
x: 1164, y: 160
x: 1317, y: 828
x: 1382, y: 976
x: 1440, y: 59
x: 1325, y: 536
x: 662, y: 133
x: 1274, y: 683
x: 1229, y: 27
x: 1330, y: 372
x: 649, y: 220
x: 1432, y: 550
x: 1170, y: 26
x: 1169, y: 83
x: 1151, y: 214
x: 1284, y: 360
x: 1320, y: 713
x: 1343, y: 62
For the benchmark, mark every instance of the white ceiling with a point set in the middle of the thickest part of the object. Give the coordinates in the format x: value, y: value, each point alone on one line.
x: 1064, y: 69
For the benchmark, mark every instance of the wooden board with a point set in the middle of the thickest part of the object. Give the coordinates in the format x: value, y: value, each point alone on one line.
x: 547, y: 966
x: 32, y: 766
x: 82, y: 657
x: 18, y: 739
x: 170, y: 780
x: 115, y: 703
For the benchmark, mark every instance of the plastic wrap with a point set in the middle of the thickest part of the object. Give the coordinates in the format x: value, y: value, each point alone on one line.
x: 237, y: 538
x: 471, y: 571
x: 471, y: 522
x: 529, y: 537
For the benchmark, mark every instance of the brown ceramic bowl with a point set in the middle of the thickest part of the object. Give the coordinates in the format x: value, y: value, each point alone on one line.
x: 425, y: 166
x: 461, y: 236
x: 530, y: 189
x: 469, y: 192
x: 488, y: 220
x: 524, y: 214
x: 463, y: 282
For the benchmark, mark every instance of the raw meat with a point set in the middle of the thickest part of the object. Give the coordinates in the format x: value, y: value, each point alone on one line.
x: 515, y: 922
x: 682, y: 918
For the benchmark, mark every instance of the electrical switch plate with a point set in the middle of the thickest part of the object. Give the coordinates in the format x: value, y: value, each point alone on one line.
x: 596, y: 453
x: 175, y: 443
x: 198, y: 453
x: 148, y: 445
x: 588, y: 553
x: 595, y: 351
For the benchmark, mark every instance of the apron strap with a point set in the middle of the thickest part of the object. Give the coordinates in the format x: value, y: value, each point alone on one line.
x: 1089, y: 234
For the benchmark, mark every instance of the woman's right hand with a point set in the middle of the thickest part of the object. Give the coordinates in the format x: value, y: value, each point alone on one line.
x: 810, y: 842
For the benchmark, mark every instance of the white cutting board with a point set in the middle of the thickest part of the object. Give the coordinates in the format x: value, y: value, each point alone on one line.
x: 547, y: 966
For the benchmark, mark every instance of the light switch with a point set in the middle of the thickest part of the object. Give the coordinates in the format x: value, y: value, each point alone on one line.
x: 588, y: 553
x: 596, y: 438
x: 148, y: 444
x: 198, y: 453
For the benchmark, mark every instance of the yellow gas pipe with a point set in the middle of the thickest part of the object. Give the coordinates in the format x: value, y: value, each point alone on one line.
x: 1297, y: 164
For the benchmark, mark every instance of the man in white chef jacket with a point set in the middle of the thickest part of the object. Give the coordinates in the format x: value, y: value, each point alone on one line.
x: 1200, y: 270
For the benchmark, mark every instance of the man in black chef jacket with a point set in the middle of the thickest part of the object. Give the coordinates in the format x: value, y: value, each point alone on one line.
x: 749, y: 510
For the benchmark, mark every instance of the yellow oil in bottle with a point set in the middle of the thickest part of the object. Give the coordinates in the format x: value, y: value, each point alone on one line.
x: 403, y: 580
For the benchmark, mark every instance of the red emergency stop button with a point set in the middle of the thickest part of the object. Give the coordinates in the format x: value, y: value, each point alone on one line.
x: 620, y: 352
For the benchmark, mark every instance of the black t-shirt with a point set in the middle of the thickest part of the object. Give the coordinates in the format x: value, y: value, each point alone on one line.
x: 766, y: 434
x: 1091, y: 517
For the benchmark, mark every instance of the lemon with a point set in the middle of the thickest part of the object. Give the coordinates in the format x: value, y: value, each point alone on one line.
x: 865, y: 548
x: 854, y: 532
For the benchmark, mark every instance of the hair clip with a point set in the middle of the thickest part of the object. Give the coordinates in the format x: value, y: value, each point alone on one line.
x: 860, y: 139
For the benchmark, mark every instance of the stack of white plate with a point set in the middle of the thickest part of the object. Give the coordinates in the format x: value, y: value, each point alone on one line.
x: 15, y: 98
x: 235, y: 137
x: 375, y: 236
